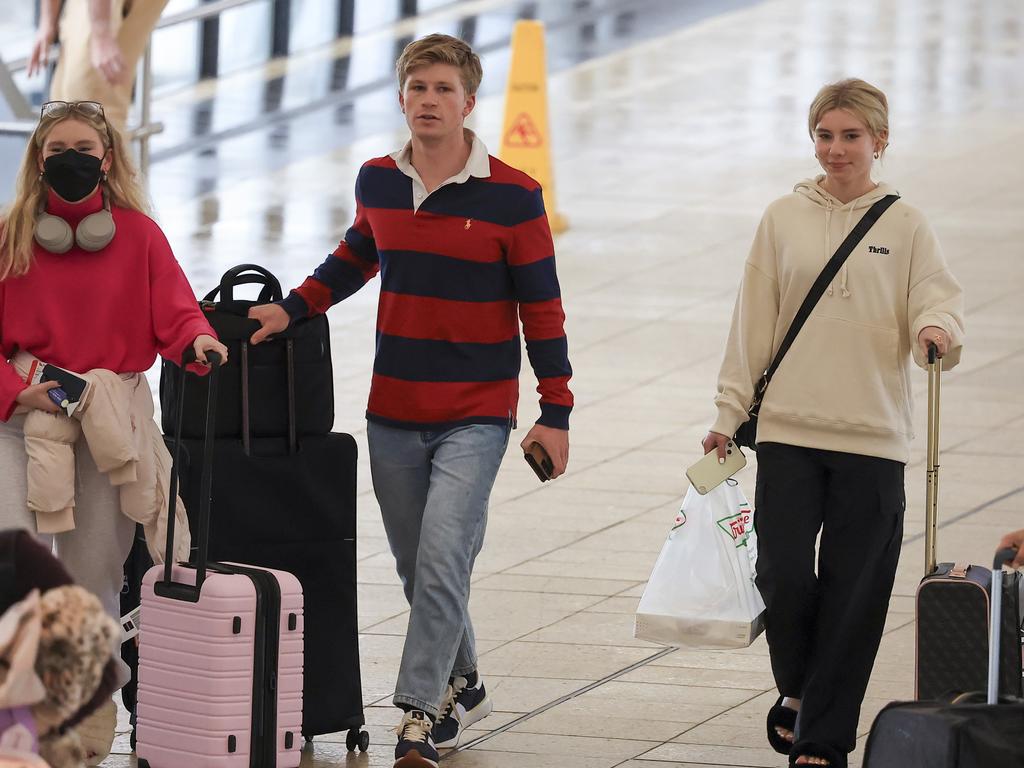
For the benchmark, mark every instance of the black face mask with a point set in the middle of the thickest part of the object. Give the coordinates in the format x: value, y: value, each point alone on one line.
x: 72, y: 174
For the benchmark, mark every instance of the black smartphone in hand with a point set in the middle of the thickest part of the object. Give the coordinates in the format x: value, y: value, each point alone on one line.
x: 539, y: 461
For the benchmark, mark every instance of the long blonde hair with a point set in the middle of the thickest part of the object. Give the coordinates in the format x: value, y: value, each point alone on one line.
x: 18, y: 221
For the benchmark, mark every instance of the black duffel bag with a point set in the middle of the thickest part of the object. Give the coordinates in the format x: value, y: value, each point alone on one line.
x: 296, y: 361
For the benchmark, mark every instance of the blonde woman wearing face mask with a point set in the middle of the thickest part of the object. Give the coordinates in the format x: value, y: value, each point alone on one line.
x: 834, y: 428
x: 87, y: 282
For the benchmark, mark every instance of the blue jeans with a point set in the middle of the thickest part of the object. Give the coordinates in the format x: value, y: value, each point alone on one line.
x: 433, y: 489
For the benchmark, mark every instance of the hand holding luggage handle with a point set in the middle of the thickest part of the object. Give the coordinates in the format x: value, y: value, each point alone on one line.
x: 168, y: 587
x: 931, y: 507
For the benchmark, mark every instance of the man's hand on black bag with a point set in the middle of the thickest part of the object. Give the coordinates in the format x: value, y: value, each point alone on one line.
x: 272, y: 319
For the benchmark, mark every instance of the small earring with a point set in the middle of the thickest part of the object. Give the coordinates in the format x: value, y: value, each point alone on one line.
x: 877, y: 155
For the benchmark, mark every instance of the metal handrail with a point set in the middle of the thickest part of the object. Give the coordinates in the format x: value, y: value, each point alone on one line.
x: 198, y: 13
x: 206, y: 11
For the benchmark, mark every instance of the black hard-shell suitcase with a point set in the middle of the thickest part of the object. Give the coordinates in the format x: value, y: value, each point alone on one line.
x: 953, y: 602
x: 975, y: 731
x: 297, y: 512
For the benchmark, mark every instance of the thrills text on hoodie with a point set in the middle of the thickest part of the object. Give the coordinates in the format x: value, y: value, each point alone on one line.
x: 845, y: 383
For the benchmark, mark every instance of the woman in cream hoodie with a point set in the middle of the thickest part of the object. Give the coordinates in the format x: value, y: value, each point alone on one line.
x: 835, y: 425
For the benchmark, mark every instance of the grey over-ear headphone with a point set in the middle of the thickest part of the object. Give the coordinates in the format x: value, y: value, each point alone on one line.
x: 93, y: 233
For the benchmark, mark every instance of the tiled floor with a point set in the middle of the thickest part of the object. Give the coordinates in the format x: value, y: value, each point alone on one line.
x: 666, y: 154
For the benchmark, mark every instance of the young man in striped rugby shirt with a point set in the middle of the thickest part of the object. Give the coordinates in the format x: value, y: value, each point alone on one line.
x: 464, y: 250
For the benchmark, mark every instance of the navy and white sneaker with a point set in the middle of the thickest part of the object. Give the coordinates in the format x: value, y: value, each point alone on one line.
x: 462, y: 706
x: 415, y: 746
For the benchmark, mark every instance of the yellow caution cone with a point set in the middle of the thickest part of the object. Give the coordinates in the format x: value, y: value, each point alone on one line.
x: 525, y: 138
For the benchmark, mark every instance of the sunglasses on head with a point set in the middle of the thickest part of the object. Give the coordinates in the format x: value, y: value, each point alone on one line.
x: 59, y: 109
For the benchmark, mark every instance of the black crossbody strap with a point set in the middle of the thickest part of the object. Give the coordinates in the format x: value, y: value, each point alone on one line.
x: 827, y: 276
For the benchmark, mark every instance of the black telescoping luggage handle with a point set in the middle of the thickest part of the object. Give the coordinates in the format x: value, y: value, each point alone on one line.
x: 167, y: 587
x: 247, y: 274
x: 1003, y: 557
x: 293, y: 445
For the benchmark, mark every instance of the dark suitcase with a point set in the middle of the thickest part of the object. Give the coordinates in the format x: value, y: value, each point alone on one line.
x: 257, y: 380
x: 953, y: 603
x: 928, y: 734
x: 963, y: 734
x: 296, y: 512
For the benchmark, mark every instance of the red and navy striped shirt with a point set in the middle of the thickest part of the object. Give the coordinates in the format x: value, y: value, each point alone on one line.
x: 457, y: 275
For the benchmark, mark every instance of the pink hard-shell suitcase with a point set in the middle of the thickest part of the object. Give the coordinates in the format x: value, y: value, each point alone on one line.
x: 220, y: 655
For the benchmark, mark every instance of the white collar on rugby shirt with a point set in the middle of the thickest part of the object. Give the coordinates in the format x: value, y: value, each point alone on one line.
x: 478, y: 164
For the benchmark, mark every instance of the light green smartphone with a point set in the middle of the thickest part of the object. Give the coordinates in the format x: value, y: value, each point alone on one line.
x: 707, y: 474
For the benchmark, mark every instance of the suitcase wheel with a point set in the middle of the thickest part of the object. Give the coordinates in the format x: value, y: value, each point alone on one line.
x: 357, y: 739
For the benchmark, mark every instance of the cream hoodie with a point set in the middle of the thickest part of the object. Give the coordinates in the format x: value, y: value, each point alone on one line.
x: 844, y: 385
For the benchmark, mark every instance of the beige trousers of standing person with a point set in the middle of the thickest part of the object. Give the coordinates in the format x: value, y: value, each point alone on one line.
x: 95, y: 551
x: 75, y: 78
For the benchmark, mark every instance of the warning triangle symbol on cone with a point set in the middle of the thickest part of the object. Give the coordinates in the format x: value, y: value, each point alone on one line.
x: 525, y: 137
x: 523, y: 133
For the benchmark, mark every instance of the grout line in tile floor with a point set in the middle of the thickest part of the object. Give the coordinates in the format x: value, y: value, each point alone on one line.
x: 953, y: 449
x: 560, y: 700
x: 644, y: 662
x: 968, y: 513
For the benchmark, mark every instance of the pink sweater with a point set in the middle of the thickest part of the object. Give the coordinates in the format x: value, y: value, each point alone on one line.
x: 116, y: 309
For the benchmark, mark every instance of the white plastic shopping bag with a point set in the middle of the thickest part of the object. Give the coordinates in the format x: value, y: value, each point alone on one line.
x: 701, y: 593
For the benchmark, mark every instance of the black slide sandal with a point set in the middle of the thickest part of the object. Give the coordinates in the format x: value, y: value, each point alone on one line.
x: 808, y: 749
x: 780, y: 717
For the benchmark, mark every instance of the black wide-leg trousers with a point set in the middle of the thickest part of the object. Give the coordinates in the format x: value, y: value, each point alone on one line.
x: 824, y: 624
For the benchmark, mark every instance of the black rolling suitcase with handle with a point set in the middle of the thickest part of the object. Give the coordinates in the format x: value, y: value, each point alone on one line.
x: 289, y: 503
x: 954, y: 603
x: 974, y: 731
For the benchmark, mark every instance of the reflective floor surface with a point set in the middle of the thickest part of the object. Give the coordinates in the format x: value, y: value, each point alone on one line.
x: 672, y: 132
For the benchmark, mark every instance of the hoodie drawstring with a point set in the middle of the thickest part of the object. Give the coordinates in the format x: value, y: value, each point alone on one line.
x: 813, y: 191
x: 845, y: 272
x: 828, y: 238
